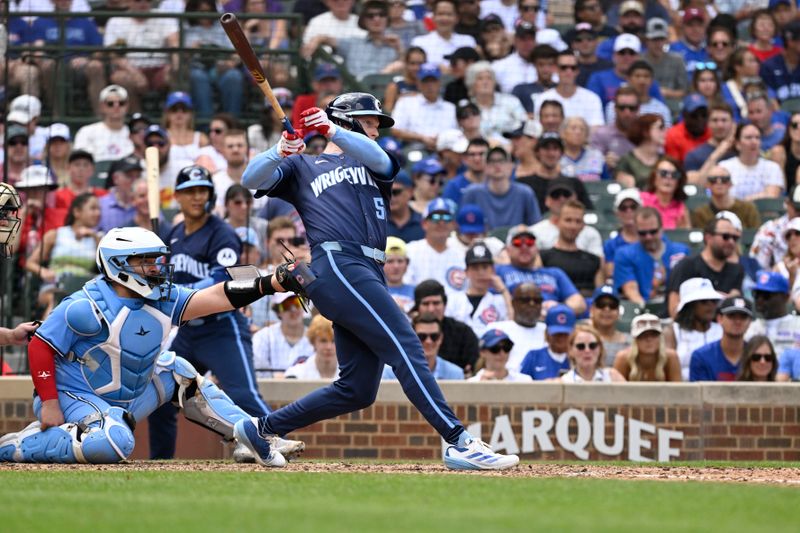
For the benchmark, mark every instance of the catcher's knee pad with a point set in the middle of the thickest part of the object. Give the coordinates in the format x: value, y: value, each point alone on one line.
x: 32, y: 445
x: 109, y: 440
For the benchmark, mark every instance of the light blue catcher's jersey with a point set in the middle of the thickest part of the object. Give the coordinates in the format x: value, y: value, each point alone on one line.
x: 108, y: 344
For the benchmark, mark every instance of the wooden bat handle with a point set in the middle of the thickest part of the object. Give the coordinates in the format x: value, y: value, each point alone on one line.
x: 239, y: 40
x: 152, y: 174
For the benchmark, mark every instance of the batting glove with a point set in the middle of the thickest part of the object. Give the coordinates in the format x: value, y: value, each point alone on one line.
x: 315, y: 118
x: 291, y: 143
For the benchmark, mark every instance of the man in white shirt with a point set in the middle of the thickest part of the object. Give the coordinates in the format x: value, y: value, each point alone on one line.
x: 109, y: 139
x: 431, y: 257
x: 576, y: 101
x: 525, y: 330
x: 420, y: 117
x: 477, y: 307
x: 339, y: 22
x: 277, y: 347
x: 443, y: 40
x: 234, y: 149
x: 516, y: 67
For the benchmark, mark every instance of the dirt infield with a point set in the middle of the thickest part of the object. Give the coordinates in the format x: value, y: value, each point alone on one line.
x: 762, y: 475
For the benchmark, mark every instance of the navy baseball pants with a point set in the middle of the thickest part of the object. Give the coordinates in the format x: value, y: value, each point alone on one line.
x: 222, y: 344
x: 370, y: 330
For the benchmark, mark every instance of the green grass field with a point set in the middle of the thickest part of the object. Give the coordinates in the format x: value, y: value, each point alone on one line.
x: 156, y: 501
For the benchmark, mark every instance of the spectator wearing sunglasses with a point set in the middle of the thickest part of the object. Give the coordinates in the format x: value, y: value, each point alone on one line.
x: 280, y: 345
x: 495, y: 348
x: 486, y: 299
x: 586, y: 356
x: 664, y: 193
x: 504, y: 202
x: 713, y: 263
x: 626, y: 202
x: 525, y: 330
x: 550, y: 361
x: 559, y: 192
x: 523, y: 257
x: 776, y: 72
x: 16, y: 154
x: 429, y: 330
x: 692, y: 46
x: 721, y: 360
x: 753, y: 176
x: 403, y: 222
x: 759, y: 362
x: 718, y: 181
x: 669, y: 69
x: 603, y: 316
x: 693, y: 131
x: 108, y: 139
x: 719, y: 147
x: 771, y: 296
x: 640, y: 78
x: 647, y: 359
x: 642, y: 270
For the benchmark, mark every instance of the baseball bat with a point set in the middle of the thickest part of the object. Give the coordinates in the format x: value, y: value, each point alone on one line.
x: 153, y: 193
x: 239, y: 40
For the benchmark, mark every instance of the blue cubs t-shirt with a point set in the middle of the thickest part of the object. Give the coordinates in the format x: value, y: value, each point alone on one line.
x: 710, y: 364
x: 540, y: 364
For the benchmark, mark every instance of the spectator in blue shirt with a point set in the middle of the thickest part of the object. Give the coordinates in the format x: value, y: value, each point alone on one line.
x: 403, y: 222
x: 692, y: 46
x: 604, y: 83
x: 781, y: 72
x: 789, y: 366
x: 720, y: 360
x: 116, y: 207
x: 429, y: 330
x: 626, y: 202
x: 551, y: 361
x: 641, y: 270
x: 771, y: 124
x: 475, y: 161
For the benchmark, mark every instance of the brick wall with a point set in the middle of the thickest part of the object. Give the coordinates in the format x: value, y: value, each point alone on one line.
x: 716, y: 421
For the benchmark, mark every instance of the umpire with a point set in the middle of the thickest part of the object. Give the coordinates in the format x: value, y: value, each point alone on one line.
x: 201, y: 247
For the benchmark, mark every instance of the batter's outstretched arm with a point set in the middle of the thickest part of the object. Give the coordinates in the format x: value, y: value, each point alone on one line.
x: 365, y: 150
x: 262, y: 171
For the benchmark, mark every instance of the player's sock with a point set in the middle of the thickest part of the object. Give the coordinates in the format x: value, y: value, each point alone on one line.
x: 463, y: 438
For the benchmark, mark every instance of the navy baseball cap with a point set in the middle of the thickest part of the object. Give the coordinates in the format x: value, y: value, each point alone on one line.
x: 155, y: 129
x: 326, y: 70
x: 193, y: 176
x: 403, y: 179
x: 735, y: 304
x: 470, y: 219
x: 179, y: 97
x: 493, y: 337
x: 429, y: 165
x: 768, y: 281
x: 440, y: 205
x: 560, y: 319
x: 478, y: 254
x: 693, y: 102
x: 429, y: 70
x: 603, y: 291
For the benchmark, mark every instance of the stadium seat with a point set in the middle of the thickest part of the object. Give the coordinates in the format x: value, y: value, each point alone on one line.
x: 101, y: 169
x: 791, y: 105
x: 627, y: 312
x: 748, y: 235
x: 693, y: 202
x: 376, y: 83
x: 656, y: 307
x: 501, y: 233
x: 691, y: 237
x: 69, y: 283
x: 770, y: 208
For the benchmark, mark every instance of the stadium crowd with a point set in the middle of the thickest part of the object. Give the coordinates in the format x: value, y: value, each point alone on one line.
x: 579, y: 177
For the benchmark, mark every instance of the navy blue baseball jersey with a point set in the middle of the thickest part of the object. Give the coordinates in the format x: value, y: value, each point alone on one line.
x: 200, y: 259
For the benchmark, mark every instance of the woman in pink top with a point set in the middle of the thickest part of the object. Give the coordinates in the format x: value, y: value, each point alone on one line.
x: 665, y: 193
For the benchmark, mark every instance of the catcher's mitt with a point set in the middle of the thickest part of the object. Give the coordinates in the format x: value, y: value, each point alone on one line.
x: 294, y: 277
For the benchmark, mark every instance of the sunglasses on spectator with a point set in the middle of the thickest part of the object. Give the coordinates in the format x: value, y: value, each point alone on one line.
x: 433, y: 180
x: 18, y: 142
x: 768, y: 357
x: 217, y: 131
x: 160, y: 143
x: 705, y: 65
x: 721, y: 179
x: 672, y: 174
x: 646, y: 232
x: 719, y: 44
x: 582, y: 346
x: 560, y: 193
x: 530, y: 300
x: 625, y: 107
x: 568, y: 67
x: 607, y: 304
x: 728, y: 236
x: 434, y: 337
x: 792, y: 233
x: 374, y: 15
x: 397, y: 191
x: 584, y: 39
x: 115, y: 103
x: 441, y: 217
x: 795, y: 125
x: 519, y: 242
x: 179, y: 108
x: 628, y: 52
x: 291, y: 303
x: 628, y: 207
x: 501, y: 347
x: 296, y: 241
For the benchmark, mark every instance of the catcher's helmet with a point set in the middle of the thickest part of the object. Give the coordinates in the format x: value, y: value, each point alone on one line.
x: 345, y: 107
x: 9, y: 221
x: 120, y: 244
x: 196, y: 176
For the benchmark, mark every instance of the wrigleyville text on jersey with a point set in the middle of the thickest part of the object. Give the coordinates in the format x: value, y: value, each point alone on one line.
x: 353, y: 175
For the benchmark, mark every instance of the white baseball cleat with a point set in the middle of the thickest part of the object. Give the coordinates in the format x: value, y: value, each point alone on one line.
x: 477, y: 455
x: 246, y: 432
x: 290, y: 449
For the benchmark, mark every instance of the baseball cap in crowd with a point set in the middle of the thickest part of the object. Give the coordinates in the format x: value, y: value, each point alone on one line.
x: 695, y: 290
x: 627, y: 194
x: 395, y: 246
x: 283, y: 95
x: 628, y: 41
x: 155, y: 129
x: 429, y: 165
x: 768, y: 281
x: 114, y: 90
x: 605, y: 291
x: 735, y: 304
x: 560, y: 319
x: 478, y: 254
x: 793, y: 225
x: 549, y: 137
x: 693, y: 13
x: 524, y: 28
x: 519, y: 231
x: 325, y: 71
x: 15, y: 130
x: 529, y: 128
x: 126, y: 164
x: 403, y: 179
x: 36, y: 176
x: 178, y: 98
x: 644, y: 323
x: 491, y: 21
x: 631, y: 5
x: 657, y: 28
x: 470, y: 219
x: 497, y: 150
x: 440, y: 205
x: 562, y: 183
x: 58, y: 130
x: 80, y: 154
x: 138, y: 117
x: 493, y: 337
x: 694, y: 101
x: 467, y: 53
x: 24, y: 108
x: 453, y: 140
x: 466, y: 109
x: 279, y: 298
x: 775, y: 3
x: 731, y: 217
x: 429, y: 70
x: 584, y: 27
x: 551, y: 37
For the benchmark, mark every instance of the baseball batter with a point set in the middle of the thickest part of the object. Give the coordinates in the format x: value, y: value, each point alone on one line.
x: 342, y: 196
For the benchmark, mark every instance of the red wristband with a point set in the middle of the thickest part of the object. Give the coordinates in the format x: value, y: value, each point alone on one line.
x: 41, y: 358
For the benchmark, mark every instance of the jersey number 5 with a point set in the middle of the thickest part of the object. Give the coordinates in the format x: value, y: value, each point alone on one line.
x: 380, y: 210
